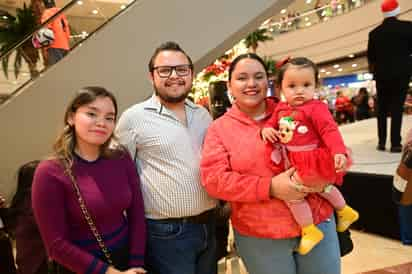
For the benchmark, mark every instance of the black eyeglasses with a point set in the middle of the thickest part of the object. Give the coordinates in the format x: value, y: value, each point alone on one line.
x: 166, y: 71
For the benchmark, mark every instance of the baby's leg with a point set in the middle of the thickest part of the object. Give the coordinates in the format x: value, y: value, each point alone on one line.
x: 311, y: 235
x: 346, y: 214
x: 334, y: 197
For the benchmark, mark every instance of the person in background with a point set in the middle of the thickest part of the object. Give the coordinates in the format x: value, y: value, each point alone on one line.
x: 344, y: 108
x: 389, y: 57
x: 31, y: 256
x: 86, y: 198
x: 165, y: 133
x: 361, y: 102
x: 408, y: 103
x: 266, y: 233
x: 402, y: 191
x: 60, y: 27
x: 6, y: 251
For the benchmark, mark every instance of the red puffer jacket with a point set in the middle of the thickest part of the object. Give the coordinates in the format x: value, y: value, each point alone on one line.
x: 234, y: 169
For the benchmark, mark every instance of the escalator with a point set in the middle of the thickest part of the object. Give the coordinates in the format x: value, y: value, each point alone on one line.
x: 115, y: 55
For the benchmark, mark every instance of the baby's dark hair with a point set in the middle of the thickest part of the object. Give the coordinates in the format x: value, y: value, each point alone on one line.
x: 301, y: 62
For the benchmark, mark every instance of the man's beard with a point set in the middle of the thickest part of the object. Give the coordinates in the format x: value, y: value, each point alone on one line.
x: 171, y: 99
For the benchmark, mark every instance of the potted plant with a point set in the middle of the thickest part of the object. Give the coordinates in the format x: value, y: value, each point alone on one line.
x: 259, y: 35
x: 12, y: 30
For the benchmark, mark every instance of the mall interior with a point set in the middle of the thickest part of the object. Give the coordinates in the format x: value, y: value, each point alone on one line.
x: 110, y: 45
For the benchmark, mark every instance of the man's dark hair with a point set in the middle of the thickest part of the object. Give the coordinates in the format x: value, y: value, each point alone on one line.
x: 169, y: 45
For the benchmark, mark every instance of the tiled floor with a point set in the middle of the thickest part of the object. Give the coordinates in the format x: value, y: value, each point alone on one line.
x: 371, y: 252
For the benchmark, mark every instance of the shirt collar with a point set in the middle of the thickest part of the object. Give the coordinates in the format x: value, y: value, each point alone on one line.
x: 153, y: 104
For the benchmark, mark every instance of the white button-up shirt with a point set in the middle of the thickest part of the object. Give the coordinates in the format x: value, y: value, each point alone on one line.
x: 167, y: 154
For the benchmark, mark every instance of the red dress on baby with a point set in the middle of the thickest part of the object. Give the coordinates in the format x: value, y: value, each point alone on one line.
x: 309, y: 139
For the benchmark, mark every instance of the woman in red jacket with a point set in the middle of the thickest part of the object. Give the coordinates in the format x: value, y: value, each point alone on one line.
x: 233, y: 168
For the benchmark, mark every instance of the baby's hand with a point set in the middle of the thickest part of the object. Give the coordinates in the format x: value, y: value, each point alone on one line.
x: 340, y: 162
x: 269, y: 134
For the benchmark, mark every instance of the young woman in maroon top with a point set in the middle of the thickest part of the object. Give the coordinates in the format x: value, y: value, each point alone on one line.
x: 108, y: 183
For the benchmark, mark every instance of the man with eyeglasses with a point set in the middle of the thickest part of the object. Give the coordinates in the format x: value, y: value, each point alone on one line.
x: 165, y: 134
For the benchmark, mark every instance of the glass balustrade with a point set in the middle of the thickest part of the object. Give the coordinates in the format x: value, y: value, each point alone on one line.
x: 293, y: 20
x: 21, y: 61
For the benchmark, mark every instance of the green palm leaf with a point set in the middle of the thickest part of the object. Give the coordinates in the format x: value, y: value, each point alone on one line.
x: 12, y: 30
x: 259, y: 35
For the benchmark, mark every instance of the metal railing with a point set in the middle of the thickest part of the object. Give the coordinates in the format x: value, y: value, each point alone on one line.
x: 25, y: 63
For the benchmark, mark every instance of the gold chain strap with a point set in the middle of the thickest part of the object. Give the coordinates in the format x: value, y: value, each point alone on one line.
x: 89, y: 219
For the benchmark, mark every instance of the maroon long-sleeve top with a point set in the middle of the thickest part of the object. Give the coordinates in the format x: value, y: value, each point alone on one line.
x: 111, y: 190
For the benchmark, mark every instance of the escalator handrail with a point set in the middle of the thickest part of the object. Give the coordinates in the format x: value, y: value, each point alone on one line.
x: 28, y: 36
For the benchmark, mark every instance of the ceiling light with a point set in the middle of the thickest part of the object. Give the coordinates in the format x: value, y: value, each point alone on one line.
x: 354, y: 65
x: 123, y: 7
x: 340, y: 69
x: 4, y: 17
x: 306, y: 19
x: 80, y: 2
x: 328, y: 72
x: 267, y: 21
x: 308, y: 24
x: 95, y: 11
x: 308, y: 1
x: 336, y: 66
x: 351, y: 55
x: 283, y: 11
x: 322, y: 70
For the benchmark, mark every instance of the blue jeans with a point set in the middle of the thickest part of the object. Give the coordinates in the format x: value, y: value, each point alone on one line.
x: 180, y: 248
x: 269, y: 256
x: 405, y: 222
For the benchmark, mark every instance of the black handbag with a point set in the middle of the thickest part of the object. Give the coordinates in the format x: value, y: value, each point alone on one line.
x: 345, y: 242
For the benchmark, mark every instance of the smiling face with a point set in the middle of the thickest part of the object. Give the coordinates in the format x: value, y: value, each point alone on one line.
x: 298, y: 85
x: 93, y: 123
x: 175, y: 88
x: 248, y: 85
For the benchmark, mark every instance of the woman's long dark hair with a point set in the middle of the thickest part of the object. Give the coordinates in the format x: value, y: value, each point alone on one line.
x: 25, y: 176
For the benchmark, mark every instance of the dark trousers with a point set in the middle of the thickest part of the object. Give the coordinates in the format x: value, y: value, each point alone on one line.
x: 391, y: 94
x: 405, y: 222
x: 6, y: 255
x: 54, y: 55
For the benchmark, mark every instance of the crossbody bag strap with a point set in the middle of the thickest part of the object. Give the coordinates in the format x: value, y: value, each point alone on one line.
x: 89, y: 219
